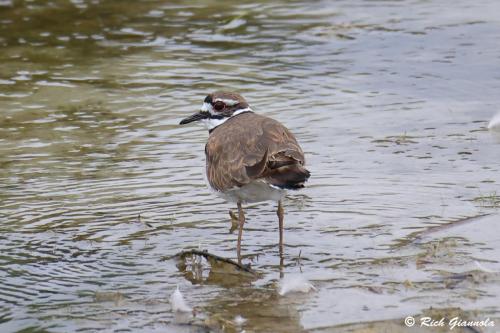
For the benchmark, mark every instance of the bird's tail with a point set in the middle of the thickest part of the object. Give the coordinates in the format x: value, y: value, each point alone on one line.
x: 291, y: 176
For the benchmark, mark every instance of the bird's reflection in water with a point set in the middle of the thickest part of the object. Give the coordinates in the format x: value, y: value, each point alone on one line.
x: 263, y: 309
x: 255, y: 305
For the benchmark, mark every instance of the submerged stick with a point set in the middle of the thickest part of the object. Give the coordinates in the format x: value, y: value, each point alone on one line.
x: 449, y: 225
x: 216, y: 258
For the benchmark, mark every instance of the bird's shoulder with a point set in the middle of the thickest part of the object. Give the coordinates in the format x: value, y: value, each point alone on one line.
x: 248, y: 134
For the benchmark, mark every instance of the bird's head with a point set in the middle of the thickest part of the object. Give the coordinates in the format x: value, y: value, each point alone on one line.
x: 217, y: 108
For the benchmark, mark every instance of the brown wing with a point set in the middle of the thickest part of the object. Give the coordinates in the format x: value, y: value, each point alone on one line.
x: 251, y: 146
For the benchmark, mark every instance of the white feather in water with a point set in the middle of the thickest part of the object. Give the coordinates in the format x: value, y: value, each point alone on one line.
x: 294, y: 283
x: 239, y: 320
x: 178, y: 303
x: 495, y: 123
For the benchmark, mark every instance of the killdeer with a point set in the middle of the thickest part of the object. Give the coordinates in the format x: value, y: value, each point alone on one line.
x: 249, y: 157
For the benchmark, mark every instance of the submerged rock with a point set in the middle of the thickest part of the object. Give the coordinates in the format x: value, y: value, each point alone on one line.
x: 108, y: 296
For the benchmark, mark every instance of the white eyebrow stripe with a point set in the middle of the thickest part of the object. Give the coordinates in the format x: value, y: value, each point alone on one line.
x: 207, y: 107
x: 229, y: 102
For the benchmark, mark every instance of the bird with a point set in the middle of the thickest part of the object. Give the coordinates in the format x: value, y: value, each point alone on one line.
x: 249, y: 157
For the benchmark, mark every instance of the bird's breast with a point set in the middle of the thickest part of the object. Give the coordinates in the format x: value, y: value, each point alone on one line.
x: 255, y: 191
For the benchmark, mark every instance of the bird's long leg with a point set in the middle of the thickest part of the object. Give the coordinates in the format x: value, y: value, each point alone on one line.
x: 280, y: 214
x: 241, y: 218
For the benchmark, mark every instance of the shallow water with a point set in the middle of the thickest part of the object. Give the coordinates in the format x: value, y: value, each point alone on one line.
x: 100, y: 187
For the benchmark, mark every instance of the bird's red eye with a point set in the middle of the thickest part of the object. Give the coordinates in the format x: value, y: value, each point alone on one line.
x: 219, y: 105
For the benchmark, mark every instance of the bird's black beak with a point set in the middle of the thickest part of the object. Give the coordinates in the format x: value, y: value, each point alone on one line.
x: 195, y: 117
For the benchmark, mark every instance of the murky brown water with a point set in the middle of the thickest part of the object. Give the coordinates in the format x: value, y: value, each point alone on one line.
x: 390, y: 101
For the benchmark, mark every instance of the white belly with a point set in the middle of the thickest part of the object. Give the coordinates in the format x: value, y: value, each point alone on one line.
x: 254, y: 192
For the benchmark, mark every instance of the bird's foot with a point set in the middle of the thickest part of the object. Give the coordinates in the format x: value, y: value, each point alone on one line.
x: 234, y: 221
x: 234, y: 217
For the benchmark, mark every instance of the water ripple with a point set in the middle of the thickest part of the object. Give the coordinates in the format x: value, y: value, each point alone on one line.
x: 99, y: 184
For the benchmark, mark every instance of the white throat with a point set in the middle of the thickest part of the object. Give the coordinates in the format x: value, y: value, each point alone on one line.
x: 213, y: 123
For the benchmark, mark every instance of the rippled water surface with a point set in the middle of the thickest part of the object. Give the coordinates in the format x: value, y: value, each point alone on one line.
x: 100, y: 187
